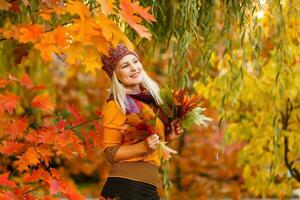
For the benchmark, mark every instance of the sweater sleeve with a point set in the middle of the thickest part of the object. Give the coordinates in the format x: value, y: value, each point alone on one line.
x: 113, y: 119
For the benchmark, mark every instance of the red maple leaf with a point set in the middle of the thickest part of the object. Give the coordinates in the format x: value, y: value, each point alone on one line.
x: 34, y: 176
x: 26, y: 81
x: 15, y: 128
x: 78, y: 118
x: 5, y: 182
x: 11, y: 147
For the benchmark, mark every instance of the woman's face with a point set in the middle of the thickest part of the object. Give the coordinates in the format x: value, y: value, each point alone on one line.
x: 129, y: 71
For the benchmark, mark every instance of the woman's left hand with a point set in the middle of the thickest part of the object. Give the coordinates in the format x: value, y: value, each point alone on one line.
x: 176, y: 130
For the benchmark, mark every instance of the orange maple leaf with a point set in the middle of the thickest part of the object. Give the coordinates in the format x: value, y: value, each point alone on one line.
x: 46, y: 50
x: 11, y: 147
x: 5, y: 182
x: 32, y: 156
x: 43, y: 102
x: 45, y: 153
x: 30, y: 33
x: 21, y: 164
x: 78, y: 8
x: 129, y: 11
x: 8, y: 102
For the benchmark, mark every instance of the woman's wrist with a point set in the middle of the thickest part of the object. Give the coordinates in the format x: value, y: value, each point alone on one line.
x: 144, y: 146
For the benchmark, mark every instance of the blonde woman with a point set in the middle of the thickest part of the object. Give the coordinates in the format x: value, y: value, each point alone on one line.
x: 134, y: 166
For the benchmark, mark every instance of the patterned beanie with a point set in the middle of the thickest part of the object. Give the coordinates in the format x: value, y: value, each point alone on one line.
x: 115, y: 55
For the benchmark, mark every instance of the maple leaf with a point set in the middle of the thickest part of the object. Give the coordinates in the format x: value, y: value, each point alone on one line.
x: 32, y: 156
x: 78, y: 8
x: 11, y: 147
x: 30, y: 33
x: 106, y: 6
x: 5, y: 182
x: 45, y: 153
x: 54, y: 185
x: 21, y: 164
x: 15, y: 128
x: 128, y: 11
x: 46, y: 50
x: 91, y: 59
x: 166, y: 151
x: 47, y: 136
x: 4, y: 5
x: 26, y: 81
x: 34, y: 176
x: 8, y: 102
x: 43, y: 102
x: 3, y: 83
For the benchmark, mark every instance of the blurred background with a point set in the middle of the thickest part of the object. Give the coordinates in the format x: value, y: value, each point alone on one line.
x: 241, y: 56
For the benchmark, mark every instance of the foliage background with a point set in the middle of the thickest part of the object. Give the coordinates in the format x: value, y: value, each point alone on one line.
x: 241, y: 56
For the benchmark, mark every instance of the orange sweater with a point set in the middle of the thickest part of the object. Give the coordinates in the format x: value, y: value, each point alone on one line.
x: 113, y: 119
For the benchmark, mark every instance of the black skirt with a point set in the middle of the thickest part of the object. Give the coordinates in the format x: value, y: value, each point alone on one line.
x: 126, y: 189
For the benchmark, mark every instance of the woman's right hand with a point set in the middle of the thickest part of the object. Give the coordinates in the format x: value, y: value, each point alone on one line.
x: 152, y: 141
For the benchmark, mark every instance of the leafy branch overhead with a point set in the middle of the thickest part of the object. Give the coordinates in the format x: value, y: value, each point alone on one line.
x: 72, y: 29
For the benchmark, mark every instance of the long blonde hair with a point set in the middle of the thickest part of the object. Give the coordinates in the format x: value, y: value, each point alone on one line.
x: 117, y: 90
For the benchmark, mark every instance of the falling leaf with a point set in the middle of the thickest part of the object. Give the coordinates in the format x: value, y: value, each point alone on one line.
x: 43, y: 102
x: 8, y: 102
x: 4, y: 181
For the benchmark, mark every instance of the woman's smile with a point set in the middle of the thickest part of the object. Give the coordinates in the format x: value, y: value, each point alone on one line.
x: 135, y: 75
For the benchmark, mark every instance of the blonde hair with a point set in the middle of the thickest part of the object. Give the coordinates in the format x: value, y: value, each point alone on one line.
x: 117, y: 90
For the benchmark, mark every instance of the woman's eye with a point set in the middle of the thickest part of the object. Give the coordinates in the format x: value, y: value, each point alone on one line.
x: 135, y: 61
x: 124, y: 66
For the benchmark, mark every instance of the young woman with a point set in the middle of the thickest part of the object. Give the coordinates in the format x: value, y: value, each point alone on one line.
x: 134, y: 166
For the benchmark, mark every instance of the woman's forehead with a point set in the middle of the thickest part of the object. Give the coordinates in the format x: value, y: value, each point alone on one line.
x: 127, y: 58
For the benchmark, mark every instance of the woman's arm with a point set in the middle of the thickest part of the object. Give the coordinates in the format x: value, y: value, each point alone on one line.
x: 130, y: 151
x: 126, y: 151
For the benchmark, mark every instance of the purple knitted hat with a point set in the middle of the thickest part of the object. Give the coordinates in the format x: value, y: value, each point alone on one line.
x: 115, y: 55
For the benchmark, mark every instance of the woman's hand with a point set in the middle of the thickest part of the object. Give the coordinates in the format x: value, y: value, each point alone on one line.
x: 152, y: 141
x: 176, y: 130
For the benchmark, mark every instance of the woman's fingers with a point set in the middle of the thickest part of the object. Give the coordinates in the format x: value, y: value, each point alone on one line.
x: 176, y: 127
x: 152, y: 141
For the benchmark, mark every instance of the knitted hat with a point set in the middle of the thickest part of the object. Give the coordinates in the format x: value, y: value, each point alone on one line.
x: 115, y: 55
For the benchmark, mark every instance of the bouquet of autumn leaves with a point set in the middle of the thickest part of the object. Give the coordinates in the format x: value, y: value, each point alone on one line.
x: 139, y: 126
x: 178, y: 105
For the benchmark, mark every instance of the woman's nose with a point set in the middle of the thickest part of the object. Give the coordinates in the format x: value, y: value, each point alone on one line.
x: 133, y: 67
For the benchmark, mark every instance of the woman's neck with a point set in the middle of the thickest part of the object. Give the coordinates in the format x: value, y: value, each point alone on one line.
x: 136, y: 89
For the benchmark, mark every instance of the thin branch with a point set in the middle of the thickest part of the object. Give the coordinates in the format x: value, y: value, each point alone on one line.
x: 84, y: 123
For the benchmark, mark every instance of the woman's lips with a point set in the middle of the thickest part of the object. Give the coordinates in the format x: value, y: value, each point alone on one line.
x: 135, y: 75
